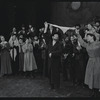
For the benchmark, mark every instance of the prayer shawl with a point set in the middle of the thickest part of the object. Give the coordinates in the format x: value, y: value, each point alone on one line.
x: 64, y: 29
x: 15, y: 43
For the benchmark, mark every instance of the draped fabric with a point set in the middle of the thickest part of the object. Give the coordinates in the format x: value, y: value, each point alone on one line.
x: 13, y: 52
x: 64, y: 29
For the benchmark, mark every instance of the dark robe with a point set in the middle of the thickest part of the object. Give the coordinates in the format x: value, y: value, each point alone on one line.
x: 79, y: 67
x: 54, y: 64
x: 38, y: 58
x: 71, y: 62
x: 67, y: 49
x: 21, y: 58
x: 5, y: 60
x: 47, y: 38
x: 44, y: 56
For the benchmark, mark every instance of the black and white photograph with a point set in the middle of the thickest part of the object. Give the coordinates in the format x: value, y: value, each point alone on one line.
x: 49, y: 49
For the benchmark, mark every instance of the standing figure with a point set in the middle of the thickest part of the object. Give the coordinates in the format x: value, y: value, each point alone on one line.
x: 21, y: 55
x: 14, y: 52
x: 79, y: 67
x: 66, y: 58
x: 73, y: 62
x: 54, y: 62
x: 29, y: 59
x: 5, y: 57
x: 92, y: 75
x: 46, y: 38
x: 37, y: 54
x: 43, y: 47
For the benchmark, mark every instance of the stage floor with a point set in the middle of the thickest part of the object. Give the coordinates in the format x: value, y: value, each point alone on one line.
x: 19, y: 86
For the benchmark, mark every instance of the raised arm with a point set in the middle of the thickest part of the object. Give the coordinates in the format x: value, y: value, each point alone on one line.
x: 46, y: 26
x: 64, y: 29
x: 81, y: 41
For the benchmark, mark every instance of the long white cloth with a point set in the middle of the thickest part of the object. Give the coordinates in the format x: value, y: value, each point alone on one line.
x: 64, y: 29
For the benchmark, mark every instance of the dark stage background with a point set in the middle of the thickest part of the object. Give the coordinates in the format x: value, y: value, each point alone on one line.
x: 18, y: 12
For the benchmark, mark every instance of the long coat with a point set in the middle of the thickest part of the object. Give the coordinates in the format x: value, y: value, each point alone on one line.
x: 54, y: 63
x: 21, y: 57
x: 92, y: 75
x: 38, y: 57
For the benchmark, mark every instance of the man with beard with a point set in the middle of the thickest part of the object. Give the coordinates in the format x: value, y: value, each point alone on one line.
x: 54, y: 52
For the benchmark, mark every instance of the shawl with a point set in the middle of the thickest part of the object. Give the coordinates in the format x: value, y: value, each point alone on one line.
x: 64, y: 29
x: 16, y: 43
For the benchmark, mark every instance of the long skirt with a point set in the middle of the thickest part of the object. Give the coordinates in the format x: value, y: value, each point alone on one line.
x: 92, y: 75
x: 29, y: 62
x: 5, y: 63
x: 21, y: 61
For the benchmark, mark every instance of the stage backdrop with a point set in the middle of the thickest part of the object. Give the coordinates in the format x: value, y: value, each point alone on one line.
x: 71, y: 13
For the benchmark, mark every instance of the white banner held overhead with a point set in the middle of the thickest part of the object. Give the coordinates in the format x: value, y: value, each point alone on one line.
x: 64, y: 29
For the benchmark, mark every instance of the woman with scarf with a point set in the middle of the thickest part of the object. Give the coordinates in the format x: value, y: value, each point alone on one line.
x: 14, y: 52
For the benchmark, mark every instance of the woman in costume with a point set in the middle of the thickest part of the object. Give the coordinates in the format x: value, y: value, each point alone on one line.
x: 5, y: 57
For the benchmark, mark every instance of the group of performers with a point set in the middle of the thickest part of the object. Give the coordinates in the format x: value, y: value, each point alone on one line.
x: 73, y: 51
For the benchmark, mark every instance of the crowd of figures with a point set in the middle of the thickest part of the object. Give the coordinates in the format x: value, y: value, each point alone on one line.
x: 75, y: 53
